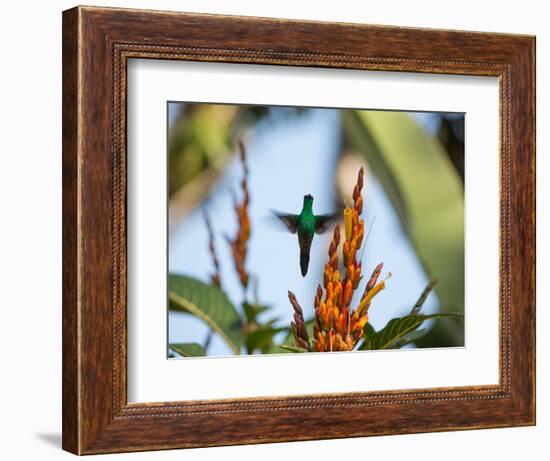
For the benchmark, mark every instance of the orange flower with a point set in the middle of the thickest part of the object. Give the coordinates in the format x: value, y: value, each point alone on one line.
x: 338, y: 326
x: 240, y: 242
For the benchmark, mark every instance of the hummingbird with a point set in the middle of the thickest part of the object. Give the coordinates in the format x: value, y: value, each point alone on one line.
x: 306, y: 225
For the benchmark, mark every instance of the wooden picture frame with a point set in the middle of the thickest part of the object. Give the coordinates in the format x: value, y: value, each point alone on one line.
x: 97, y: 43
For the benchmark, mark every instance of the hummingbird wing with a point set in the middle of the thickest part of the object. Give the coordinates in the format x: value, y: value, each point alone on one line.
x: 325, y: 222
x: 289, y: 220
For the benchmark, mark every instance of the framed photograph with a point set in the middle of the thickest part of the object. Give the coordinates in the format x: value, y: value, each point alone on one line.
x: 281, y: 230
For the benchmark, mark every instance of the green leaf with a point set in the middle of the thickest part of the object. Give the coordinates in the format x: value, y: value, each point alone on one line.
x: 397, y: 330
x: 427, y: 193
x: 262, y: 338
x: 293, y: 348
x: 188, y: 349
x: 259, y: 334
x: 252, y: 311
x: 208, y: 303
x: 369, y: 330
x: 369, y: 333
x: 409, y: 338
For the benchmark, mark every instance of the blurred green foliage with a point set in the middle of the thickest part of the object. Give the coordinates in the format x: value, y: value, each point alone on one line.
x: 428, y: 195
x: 200, y: 144
x: 200, y: 137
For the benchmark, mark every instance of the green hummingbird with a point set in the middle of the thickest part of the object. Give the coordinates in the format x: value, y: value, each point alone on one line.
x: 306, y: 225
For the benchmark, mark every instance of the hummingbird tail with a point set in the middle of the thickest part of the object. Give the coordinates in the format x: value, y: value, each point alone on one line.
x: 304, y: 262
x: 305, y: 245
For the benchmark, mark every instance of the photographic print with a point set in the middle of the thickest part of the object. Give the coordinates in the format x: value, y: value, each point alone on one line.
x: 240, y: 200
x: 307, y: 230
